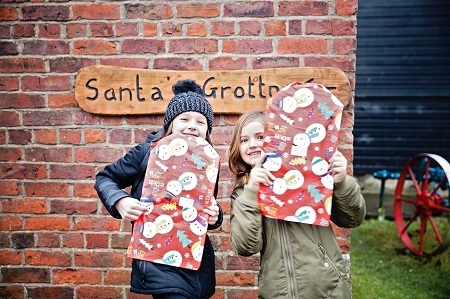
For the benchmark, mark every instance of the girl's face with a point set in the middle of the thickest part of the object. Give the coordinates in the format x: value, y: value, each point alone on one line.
x: 190, y: 123
x: 252, y: 136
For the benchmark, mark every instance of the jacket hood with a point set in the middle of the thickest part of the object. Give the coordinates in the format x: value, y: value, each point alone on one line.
x: 154, y: 135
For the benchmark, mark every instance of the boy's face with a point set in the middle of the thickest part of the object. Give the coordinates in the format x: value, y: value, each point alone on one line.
x: 252, y: 137
x: 190, y: 123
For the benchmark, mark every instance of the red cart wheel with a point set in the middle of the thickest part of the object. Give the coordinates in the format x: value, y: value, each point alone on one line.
x: 421, y: 205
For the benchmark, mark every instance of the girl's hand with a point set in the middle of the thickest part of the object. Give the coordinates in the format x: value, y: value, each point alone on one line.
x: 338, y: 166
x: 129, y: 208
x: 260, y: 175
x: 213, y: 212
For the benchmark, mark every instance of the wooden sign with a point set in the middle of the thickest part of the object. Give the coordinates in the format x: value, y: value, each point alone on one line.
x: 127, y: 91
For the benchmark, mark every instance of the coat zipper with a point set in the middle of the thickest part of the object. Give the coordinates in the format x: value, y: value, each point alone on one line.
x: 289, y: 264
x: 327, y: 258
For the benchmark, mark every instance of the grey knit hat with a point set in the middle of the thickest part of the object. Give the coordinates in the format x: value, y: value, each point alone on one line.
x: 188, y: 96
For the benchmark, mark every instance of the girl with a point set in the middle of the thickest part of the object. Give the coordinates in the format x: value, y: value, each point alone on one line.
x: 297, y: 260
x: 188, y: 113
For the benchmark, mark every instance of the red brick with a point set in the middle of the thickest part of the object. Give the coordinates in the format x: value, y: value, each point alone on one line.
x: 50, y: 292
x: 346, y: 7
x: 48, y: 240
x: 84, y: 292
x: 344, y: 27
x: 47, y: 258
x: 153, y: 11
x: 177, y: 64
x: 74, y: 172
x: 84, y: 190
x: 69, y: 64
x: 142, y: 46
x: 46, y: 47
x: 120, y: 240
x: 149, y: 29
x: 236, y: 279
x: 46, y: 13
x: 94, y: 47
x: 120, y: 136
x: 96, y: 224
x: 25, y: 206
x: 97, y: 259
x: 21, y: 100
x: 73, y: 240
x: 8, y: 13
x: 191, y: 46
x: 70, y: 136
x: 25, y: 275
x: 102, y: 29
x: 197, y: 29
x: 11, y: 258
x: 302, y: 46
x: 76, y: 276
x: 49, y: 30
x: 96, y: 241
x: 242, y: 293
x: 23, y: 170
x: 9, y: 83
x: 319, y: 27
x: 194, y: 10
x: 23, y: 30
x: 42, y: 154
x: 96, y: 12
x: 345, y: 64
x: 105, y: 155
x: 275, y: 28
x: 303, y: 8
x: 275, y: 62
x: 250, y: 28
x: 259, y: 9
x: 47, y: 223
x: 127, y: 29
x: 222, y: 28
x: 73, y: 207
x: 50, y: 82
x: 141, y: 63
x: 170, y: 29
x: 45, y: 136
x: 94, y: 135
x: 12, y: 292
x: 76, y: 30
x: 47, y: 118
x: 227, y: 63
x: 9, y: 188
x: 9, y: 119
x: 47, y: 189
x: 24, y: 65
x: 4, y: 31
x: 10, y: 223
x: 247, y: 46
x: 117, y: 277
x: 344, y: 46
x: 8, y: 48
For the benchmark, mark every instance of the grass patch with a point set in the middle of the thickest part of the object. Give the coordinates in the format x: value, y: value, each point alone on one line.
x: 381, y: 268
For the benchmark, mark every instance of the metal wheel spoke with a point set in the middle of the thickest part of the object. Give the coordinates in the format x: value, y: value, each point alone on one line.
x: 435, y: 229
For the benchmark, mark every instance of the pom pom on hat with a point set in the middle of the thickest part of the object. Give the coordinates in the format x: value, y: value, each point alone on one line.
x: 188, y: 96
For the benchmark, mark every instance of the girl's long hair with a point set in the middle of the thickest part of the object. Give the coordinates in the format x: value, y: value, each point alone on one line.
x: 235, y: 162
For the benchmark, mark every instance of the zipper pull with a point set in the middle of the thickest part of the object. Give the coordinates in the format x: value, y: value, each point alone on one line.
x: 322, y: 248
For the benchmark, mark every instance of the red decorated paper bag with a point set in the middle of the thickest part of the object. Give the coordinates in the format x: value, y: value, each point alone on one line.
x: 179, y: 183
x: 301, y: 134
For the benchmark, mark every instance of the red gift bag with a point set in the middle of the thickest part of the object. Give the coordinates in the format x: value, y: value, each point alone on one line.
x: 301, y: 134
x: 179, y: 182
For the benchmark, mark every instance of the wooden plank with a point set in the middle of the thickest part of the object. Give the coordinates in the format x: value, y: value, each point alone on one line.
x: 127, y: 91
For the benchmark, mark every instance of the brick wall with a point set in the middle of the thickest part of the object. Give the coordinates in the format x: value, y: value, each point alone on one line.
x: 57, y: 241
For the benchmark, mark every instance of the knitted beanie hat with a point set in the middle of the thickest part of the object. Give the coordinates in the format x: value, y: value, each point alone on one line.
x: 189, y: 96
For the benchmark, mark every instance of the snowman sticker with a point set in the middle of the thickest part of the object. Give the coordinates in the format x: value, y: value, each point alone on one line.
x: 162, y: 225
x: 272, y: 162
x: 300, y: 144
x: 316, y: 132
x: 304, y: 214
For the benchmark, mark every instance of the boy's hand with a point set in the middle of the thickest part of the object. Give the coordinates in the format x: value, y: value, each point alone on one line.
x: 338, y: 166
x: 213, y: 212
x: 129, y: 208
